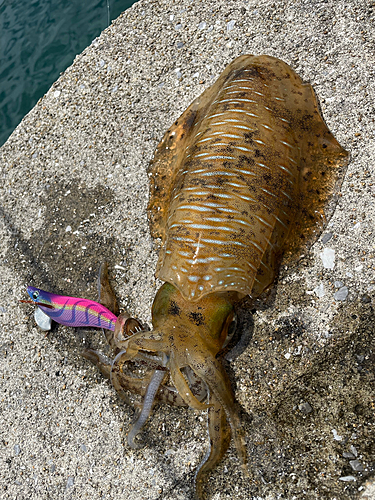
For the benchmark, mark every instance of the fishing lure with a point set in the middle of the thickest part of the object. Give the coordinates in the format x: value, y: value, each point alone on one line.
x: 71, y: 311
x: 243, y: 176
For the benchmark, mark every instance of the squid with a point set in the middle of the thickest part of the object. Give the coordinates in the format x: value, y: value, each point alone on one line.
x: 248, y: 173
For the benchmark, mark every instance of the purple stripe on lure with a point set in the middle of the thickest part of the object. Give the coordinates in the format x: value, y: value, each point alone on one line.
x: 72, y: 311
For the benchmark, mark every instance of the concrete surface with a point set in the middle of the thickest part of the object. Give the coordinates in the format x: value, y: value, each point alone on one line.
x: 74, y: 192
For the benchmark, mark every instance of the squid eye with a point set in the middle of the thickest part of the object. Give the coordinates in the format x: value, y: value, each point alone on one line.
x: 35, y: 295
x: 232, y: 326
x: 231, y: 329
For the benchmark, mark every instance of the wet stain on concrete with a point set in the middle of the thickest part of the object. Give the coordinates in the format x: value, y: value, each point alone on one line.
x: 70, y: 247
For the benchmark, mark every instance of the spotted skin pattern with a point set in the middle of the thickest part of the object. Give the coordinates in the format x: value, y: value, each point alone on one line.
x: 240, y: 165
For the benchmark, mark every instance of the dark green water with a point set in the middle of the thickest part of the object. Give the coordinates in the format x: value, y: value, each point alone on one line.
x: 38, y: 40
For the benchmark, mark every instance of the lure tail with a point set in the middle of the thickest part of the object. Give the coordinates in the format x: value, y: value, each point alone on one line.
x: 72, y: 311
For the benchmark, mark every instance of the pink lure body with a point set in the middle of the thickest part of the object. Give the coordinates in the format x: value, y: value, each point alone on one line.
x: 72, y: 311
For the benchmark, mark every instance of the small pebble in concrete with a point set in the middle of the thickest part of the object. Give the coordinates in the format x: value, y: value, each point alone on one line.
x: 70, y: 482
x: 326, y: 237
x: 353, y: 449
x: 366, y: 299
x: 319, y: 290
x: 356, y: 465
x: 342, y: 293
x: 230, y: 25
x: 347, y: 478
x: 328, y: 258
x: 305, y: 408
x: 17, y: 449
x: 336, y: 436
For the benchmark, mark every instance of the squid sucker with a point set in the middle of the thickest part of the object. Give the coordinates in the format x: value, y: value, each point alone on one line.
x: 248, y: 172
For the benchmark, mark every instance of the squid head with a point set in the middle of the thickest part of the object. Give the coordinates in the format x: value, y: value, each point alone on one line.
x: 189, y: 335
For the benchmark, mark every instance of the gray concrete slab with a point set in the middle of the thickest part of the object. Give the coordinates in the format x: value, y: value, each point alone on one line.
x: 74, y: 192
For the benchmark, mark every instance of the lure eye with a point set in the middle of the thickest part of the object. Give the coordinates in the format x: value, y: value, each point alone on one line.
x: 35, y: 295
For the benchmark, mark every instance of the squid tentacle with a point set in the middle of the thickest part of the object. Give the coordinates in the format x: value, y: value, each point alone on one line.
x: 212, y: 372
x: 125, y: 325
x: 134, y: 385
x: 152, y: 361
x: 153, y: 387
x: 143, y: 341
x: 116, y: 370
x: 183, y: 387
x: 197, y: 385
x: 103, y: 363
x: 219, y: 440
x: 105, y: 292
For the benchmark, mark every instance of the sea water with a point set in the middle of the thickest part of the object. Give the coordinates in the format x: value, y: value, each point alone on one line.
x: 38, y: 40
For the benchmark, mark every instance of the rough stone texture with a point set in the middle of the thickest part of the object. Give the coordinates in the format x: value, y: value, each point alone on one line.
x: 74, y: 192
